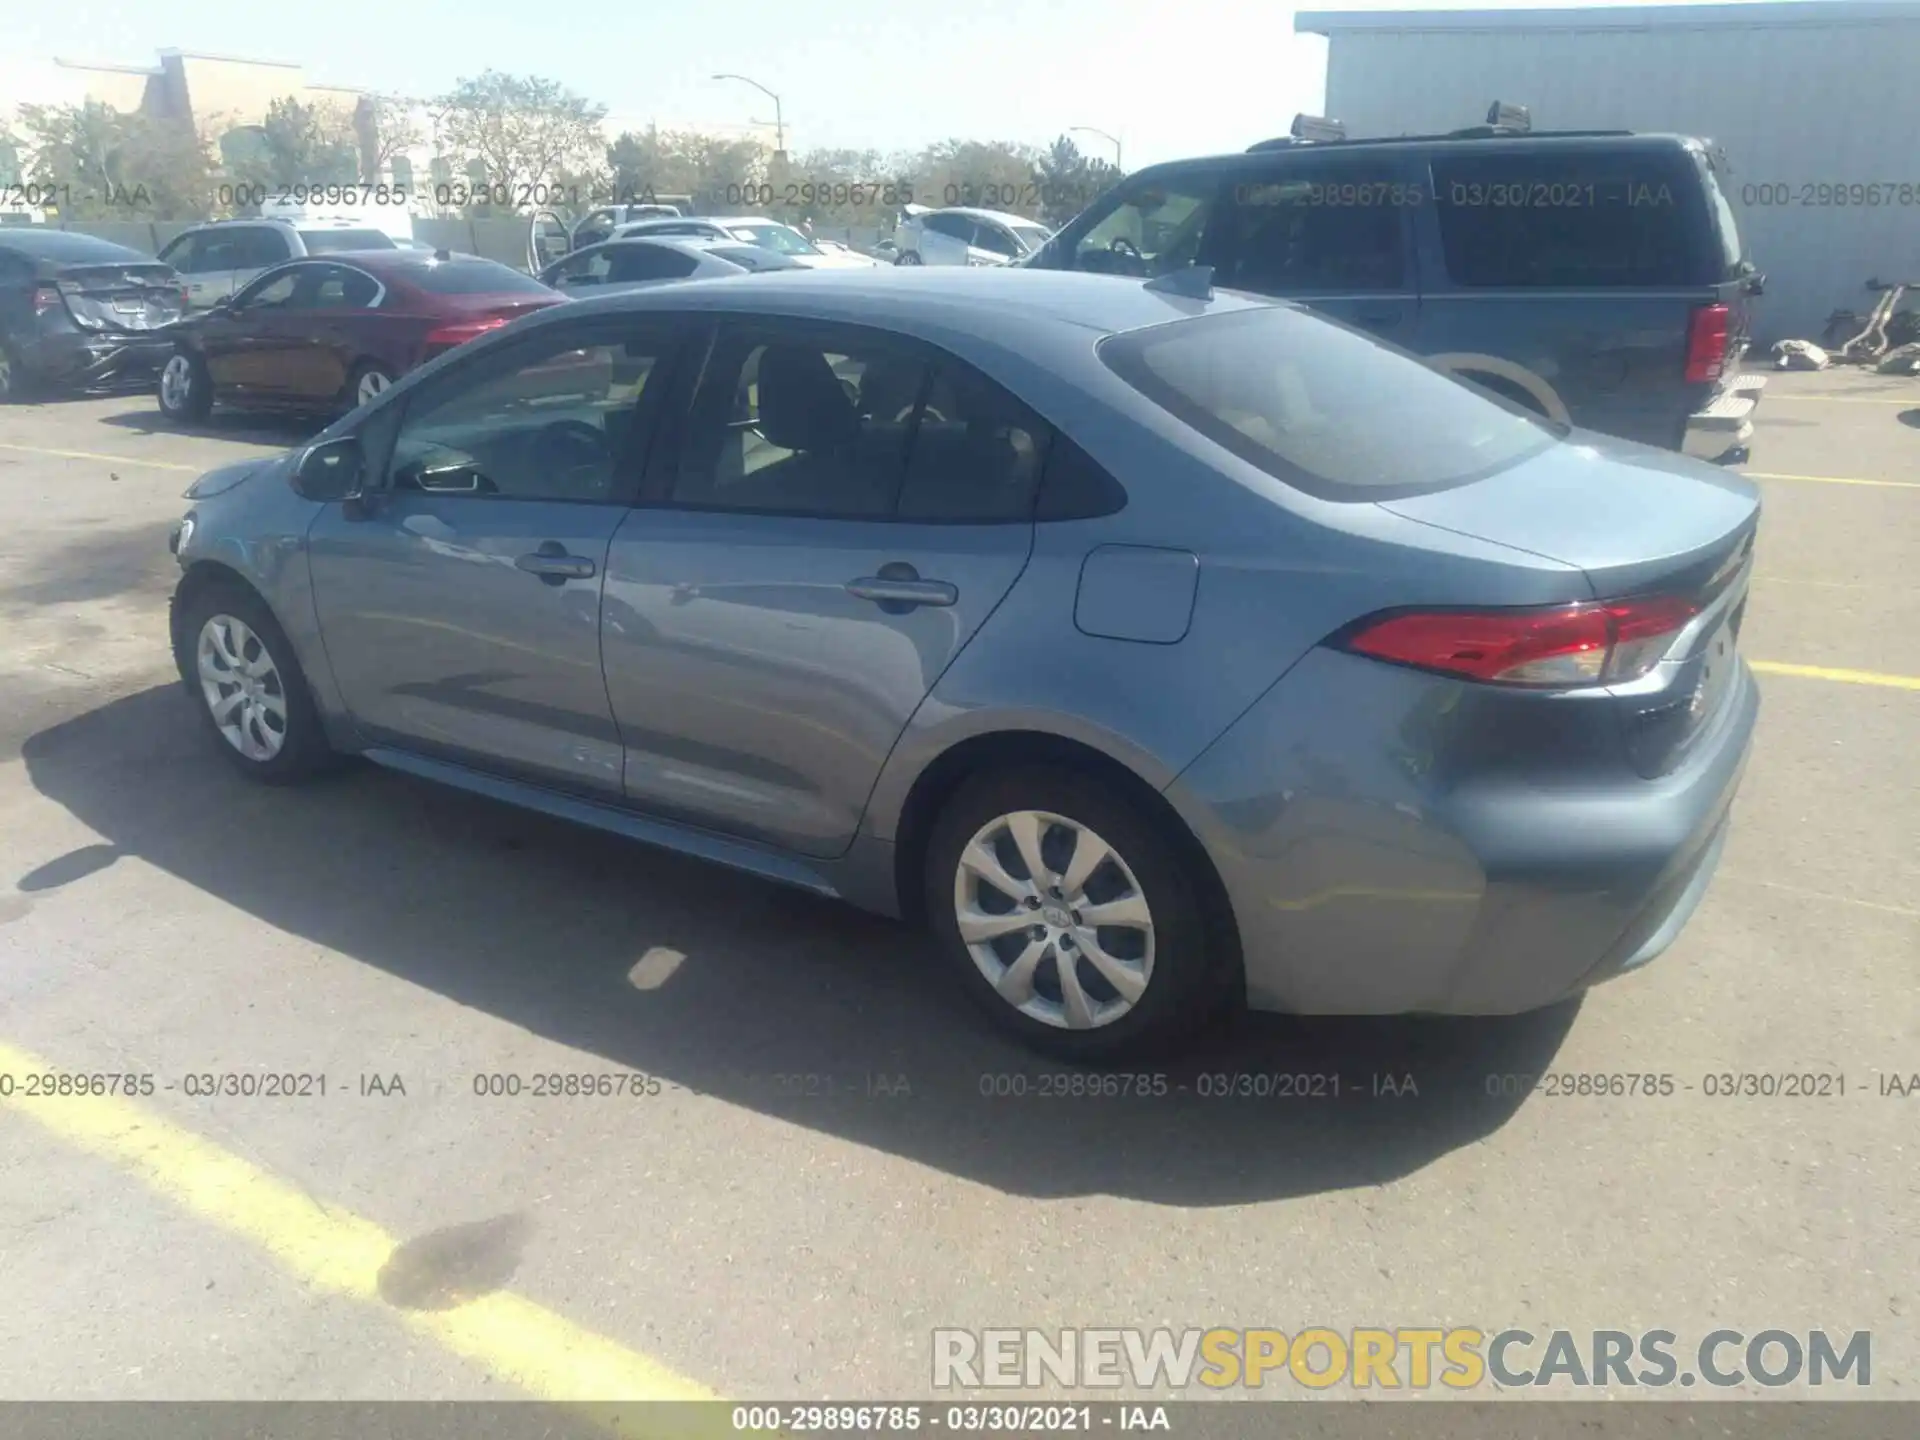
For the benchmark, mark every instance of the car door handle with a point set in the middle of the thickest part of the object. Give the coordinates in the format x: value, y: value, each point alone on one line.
x: 902, y: 590
x: 553, y: 564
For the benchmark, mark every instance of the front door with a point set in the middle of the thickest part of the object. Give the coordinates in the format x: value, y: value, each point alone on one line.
x: 843, y: 513
x: 461, y: 611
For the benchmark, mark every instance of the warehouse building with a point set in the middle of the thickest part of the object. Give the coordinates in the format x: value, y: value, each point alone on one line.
x: 1815, y: 102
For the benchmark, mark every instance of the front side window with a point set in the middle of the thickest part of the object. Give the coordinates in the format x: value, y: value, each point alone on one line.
x: 335, y: 287
x: 271, y: 292
x: 549, y: 420
x: 1152, y: 228
x: 1301, y: 397
x: 1580, y: 219
x: 990, y: 237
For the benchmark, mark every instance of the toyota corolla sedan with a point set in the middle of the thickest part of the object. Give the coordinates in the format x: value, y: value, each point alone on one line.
x: 1162, y: 649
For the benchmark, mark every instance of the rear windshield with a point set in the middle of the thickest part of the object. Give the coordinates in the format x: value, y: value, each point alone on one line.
x: 1574, y: 219
x: 320, y: 242
x: 1324, y: 408
x: 473, y: 277
x: 753, y: 257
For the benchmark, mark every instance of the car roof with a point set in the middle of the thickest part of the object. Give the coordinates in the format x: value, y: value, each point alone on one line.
x: 396, y: 263
x: 44, y: 243
x: 1269, y: 153
x: 999, y: 306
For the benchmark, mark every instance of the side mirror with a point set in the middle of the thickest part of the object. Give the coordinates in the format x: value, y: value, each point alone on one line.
x: 333, y: 470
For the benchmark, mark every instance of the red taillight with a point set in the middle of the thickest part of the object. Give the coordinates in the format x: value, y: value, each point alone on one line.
x: 461, y: 331
x: 1707, y: 344
x: 1588, y: 644
x: 45, y: 298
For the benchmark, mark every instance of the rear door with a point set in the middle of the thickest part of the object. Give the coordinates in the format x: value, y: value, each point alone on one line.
x: 843, y: 512
x: 1332, y: 230
x: 944, y: 238
x: 1566, y: 276
x: 325, y: 332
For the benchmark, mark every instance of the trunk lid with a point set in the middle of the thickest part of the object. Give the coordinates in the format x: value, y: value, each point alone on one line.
x: 120, y: 297
x: 1639, y: 522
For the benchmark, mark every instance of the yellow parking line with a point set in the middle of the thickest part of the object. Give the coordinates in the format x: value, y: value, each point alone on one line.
x: 110, y: 459
x: 332, y: 1250
x: 1907, y: 400
x: 1833, y: 480
x: 1844, y: 677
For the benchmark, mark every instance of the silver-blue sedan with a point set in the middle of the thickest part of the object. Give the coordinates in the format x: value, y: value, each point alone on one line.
x: 1163, y: 649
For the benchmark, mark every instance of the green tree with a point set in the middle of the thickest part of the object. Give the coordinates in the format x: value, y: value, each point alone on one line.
x: 299, y: 144
x: 115, y: 166
x: 1068, y: 180
x: 990, y: 174
x: 524, y: 132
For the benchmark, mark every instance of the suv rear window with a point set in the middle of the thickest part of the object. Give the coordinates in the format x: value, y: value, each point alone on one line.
x: 1323, y: 407
x: 320, y: 242
x: 1575, y: 219
x: 474, y: 277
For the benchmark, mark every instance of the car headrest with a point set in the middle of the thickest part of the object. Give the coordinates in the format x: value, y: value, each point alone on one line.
x: 802, y: 406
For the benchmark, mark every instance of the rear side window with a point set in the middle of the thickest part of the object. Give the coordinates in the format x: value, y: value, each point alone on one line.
x: 255, y: 247
x: 650, y: 262
x: 1578, y: 220
x: 473, y: 277
x: 1323, y: 407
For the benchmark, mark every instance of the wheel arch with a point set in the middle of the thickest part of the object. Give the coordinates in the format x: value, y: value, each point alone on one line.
x: 941, y: 778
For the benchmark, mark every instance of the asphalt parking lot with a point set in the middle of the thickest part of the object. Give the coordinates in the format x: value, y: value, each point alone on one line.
x: 819, y: 1180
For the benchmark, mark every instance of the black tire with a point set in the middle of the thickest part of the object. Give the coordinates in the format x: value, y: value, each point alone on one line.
x: 1187, y: 986
x: 16, y: 384
x: 360, y: 372
x: 303, y: 750
x: 907, y: 257
x: 196, y: 403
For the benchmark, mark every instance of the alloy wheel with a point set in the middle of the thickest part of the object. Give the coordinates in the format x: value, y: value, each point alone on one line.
x: 176, y: 383
x: 1054, y: 919
x: 371, y: 384
x: 242, y: 687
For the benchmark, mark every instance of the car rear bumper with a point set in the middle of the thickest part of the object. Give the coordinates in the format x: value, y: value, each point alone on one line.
x: 1393, y: 842
x: 87, y: 359
x: 1723, y: 431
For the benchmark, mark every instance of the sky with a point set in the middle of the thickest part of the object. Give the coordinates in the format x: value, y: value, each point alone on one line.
x: 1168, y: 77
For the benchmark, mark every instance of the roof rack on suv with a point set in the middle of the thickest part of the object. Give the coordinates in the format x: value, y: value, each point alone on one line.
x: 1503, y: 121
x: 1306, y: 130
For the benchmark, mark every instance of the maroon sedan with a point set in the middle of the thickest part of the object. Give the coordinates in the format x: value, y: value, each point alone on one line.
x: 331, y: 332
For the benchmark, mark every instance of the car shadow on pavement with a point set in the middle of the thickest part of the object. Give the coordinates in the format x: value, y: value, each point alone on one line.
x: 282, y: 432
x: 742, y: 990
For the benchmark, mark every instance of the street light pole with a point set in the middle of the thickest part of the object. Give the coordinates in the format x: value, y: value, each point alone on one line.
x: 779, y: 125
x: 1113, y: 140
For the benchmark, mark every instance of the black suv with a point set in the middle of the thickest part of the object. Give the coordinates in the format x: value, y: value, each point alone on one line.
x: 1596, y: 277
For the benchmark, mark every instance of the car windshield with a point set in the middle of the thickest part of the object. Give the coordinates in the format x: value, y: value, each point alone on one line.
x: 473, y: 277
x: 320, y: 242
x: 780, y: 238
x: 1323, y: 407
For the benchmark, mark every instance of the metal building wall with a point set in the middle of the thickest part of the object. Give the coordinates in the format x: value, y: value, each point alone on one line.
x: 1806, y: 103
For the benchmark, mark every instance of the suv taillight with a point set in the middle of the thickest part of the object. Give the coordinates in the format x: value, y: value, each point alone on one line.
x: 1707, y: 344
x: 1594, y: 643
